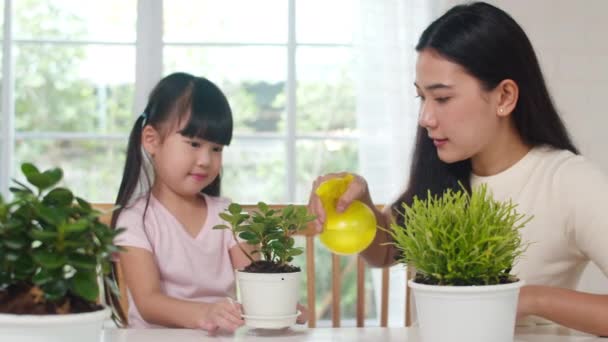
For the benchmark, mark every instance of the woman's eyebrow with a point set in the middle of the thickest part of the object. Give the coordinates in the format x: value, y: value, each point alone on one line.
x: 435, y: 86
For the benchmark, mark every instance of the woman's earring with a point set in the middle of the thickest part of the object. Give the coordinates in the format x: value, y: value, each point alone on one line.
x: 500, y: 110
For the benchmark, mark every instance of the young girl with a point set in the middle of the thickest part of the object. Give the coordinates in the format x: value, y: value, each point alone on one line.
x: 486, y: 117
x: 179, y: 272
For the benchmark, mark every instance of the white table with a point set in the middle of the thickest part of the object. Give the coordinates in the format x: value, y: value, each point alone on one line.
x: 296, y: 334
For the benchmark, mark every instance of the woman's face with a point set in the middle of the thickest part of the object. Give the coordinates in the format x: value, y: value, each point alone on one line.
x: 457, y: 113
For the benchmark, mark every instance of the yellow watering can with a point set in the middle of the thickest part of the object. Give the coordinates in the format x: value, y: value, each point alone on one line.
x: 348, y: 232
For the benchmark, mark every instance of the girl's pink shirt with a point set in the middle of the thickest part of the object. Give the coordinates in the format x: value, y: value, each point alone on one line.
x: 191, y: 268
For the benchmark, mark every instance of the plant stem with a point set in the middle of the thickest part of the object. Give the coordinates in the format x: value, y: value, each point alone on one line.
x: 241, y: 248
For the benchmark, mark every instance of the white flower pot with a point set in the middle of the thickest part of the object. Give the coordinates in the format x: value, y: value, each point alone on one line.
x: 77, y: 327
x: 269, y: 299
x: 466, y: 313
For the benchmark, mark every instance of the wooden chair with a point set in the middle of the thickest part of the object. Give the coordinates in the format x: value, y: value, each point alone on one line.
x: 337, y: 275
x: 106, y: 218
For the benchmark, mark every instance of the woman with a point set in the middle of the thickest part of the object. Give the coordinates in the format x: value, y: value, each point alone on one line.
x: 486, y: 117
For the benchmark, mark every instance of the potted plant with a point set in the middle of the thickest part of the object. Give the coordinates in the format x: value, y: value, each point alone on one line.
x: 54, y: 253
x: 269, y: 285
x: 463, y: 247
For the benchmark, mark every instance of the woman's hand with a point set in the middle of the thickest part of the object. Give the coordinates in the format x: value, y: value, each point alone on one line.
x: 526, y: 302
x: 357, y: 190
x: 225, y: 315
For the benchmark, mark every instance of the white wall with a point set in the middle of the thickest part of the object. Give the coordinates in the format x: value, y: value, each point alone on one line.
x: 570, y: 39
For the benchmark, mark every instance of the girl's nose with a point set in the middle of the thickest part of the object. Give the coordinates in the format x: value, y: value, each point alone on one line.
x: 204, y: 157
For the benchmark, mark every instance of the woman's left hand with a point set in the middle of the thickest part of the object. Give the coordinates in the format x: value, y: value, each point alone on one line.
x: 527, y: 298
x: 303, y: 318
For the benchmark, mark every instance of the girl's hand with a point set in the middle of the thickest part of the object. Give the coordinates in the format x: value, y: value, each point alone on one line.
x: 303, y: 318
x: 226, y: 315
x: 357, y: 190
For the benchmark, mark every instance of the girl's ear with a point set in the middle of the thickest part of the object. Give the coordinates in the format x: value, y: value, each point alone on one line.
x: 508, y: 93
x: 150, y: 140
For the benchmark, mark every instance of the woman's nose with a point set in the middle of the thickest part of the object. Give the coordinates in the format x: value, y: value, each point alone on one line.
x: 427, y: 118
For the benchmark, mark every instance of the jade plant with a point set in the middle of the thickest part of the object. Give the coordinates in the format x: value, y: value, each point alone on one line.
x: 460, y: 238
x: 271, y: 233
x: 53, y: 248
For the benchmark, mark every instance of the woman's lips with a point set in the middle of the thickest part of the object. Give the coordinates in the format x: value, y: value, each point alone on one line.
x: 439, y: 142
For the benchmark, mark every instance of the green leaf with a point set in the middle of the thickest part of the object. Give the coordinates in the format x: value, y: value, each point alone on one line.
x: 258, y: 227
x: 288, y: 210
x: 49, y: 259
x: 295, y: 251
x: 290, y: 242
x: 43, y: 235
x: 235, y: 209
x: 42, y: 277
x: 24, y: 267
x: 55, y: 289
x: 254, y: 241
x: 59, y: 197
x: 226, y: 217
x: 29, y: 169
x: 53, y: 176
x: 84, y: 204
x: 80, y: 261
x: 263, y: 207
x: 221, y: 226
x: 15, y: 243
x: 242, y: 228
x: 19, y: 191
x: 247, y: 236
x: 79, y: 226
x: 84, y: 284
x: 49, y: 215
x: 277, y: 245
x: 42, y: 180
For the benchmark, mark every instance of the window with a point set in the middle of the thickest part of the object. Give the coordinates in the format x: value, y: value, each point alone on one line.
x: 257, y: 55
x: 73, y: 88
x: 312, y: 85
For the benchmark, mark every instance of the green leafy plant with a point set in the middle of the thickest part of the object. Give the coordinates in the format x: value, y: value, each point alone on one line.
x: 270, y: 231
x: 460, y: 238
x: 53, y: 248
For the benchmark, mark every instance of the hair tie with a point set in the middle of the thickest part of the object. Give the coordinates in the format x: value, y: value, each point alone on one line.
x: 144, y: 115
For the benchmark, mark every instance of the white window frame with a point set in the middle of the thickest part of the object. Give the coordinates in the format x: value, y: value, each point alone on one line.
x: 148, y: 70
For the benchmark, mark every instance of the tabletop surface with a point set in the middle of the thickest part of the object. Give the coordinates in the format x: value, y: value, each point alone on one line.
x: 535, y: 334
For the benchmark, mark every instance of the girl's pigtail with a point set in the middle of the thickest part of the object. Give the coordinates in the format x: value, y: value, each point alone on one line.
x: 130, y: 179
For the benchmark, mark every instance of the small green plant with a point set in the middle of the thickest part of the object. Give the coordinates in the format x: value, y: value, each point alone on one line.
x: 460, y: 238
x: 270, y: 231
x: 53, y: 248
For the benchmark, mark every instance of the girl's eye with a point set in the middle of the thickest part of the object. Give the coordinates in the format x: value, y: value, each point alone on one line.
x: 442, y: 99
x: 195, y: 144
x: 218, y: 148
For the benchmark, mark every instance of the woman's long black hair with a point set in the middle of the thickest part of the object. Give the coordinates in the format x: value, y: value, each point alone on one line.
x: 491, y: 47
x: 177, y: 97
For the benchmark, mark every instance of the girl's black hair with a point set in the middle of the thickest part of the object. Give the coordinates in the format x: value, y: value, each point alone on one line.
x: 491, y: 47
x: 177, y: 97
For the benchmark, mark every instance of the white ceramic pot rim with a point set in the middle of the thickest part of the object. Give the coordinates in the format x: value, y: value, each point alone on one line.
x: 36, y: 320
x: 267, y: 276
x: 466, y: 289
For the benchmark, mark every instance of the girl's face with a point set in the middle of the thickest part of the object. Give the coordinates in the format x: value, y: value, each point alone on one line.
x: 185, y: 165
x: 457, y: 113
